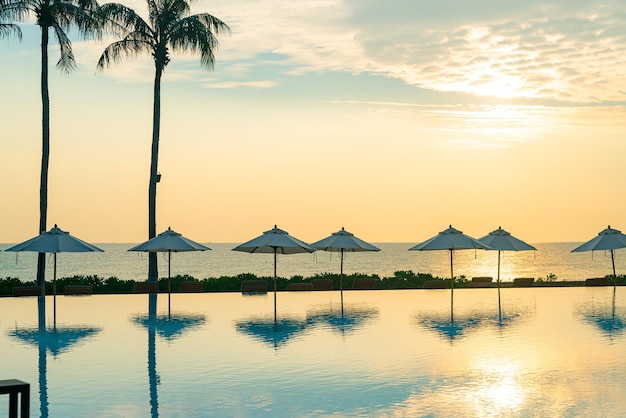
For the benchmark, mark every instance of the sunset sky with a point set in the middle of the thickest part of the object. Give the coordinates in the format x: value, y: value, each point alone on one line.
x: 390, y: 118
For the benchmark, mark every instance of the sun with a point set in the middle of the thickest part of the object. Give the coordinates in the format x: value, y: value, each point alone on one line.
x: 497, y: 85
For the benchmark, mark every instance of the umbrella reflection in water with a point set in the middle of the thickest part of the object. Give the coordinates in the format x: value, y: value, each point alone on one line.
x: 464, y: 324
x: 348, y: 320
x: 610, y: 320
x: 275, y: 333
x: 170, y: 326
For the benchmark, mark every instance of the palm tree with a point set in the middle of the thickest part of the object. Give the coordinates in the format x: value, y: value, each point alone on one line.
x: 169, y: 27
x: 10, y: 12
x: 60, y: 16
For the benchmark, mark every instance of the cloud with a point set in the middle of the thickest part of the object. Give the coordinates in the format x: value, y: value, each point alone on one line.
x: 260, y: 84
x: 560, y: 51
x: 569, y: 52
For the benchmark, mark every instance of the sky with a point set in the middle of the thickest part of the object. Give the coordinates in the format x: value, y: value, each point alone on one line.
x: 392, y: 119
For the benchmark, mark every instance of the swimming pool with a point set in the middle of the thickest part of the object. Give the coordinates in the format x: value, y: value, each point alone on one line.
x: 547, y: 352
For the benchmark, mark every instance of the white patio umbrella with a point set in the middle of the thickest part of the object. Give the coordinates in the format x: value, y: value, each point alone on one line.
x: 609, y: 239
x: 501, y: 240
x: 342, y: 242
x: 169, y: 242
x: 450, y: 239
x: 55, y: 241
x: 275, y: 241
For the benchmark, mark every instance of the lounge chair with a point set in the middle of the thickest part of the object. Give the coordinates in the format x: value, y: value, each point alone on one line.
x: 365, y: 283
x: 253, y: 286
x: 190, y: 287
x: 322, y: 284
x: 85, y: 289
x: 435, y: 284
x: 596, y: 281
x: 480, y: 282
x: 27, y: 291
x: 300, y: 286
x: 146, y: 287
x: 523, y: 282
x: 16, y: 388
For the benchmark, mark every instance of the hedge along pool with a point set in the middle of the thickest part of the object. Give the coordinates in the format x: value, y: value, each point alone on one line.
x: 547, y: 352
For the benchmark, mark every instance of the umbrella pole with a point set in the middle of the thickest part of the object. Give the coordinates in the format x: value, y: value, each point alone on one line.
x: 169, y: 282
x: 275, y: 257
x: 451, y: 287
x: 54, y: 276
x: 614, y: 275
x: 54, y: 291
x: 499, y: 304
x: 341, y: 280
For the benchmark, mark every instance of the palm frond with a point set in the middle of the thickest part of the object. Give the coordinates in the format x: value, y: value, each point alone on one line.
x: 68, y: 14
x: 130, y: 46
x: 198, y: 33
x: 13, y: 10
x: 118, y: 19
x: 66, y: 62
x: 8, y: 30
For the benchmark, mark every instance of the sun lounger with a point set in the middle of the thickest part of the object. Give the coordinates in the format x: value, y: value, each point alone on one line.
x: 365, y: 283
x: 322, y: 284
x: 146, y: 287
x: 300, y: 286
x: 190, y: 287
x: 16, y: 388
x: 596, y: 281
x: 480, y: 282
x: 435, y: 284
x: 523, y: 282
x: 253, y: 286
x: 78, y: 289
x: 27, y: 291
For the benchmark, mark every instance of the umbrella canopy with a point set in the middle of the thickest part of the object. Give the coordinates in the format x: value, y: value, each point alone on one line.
x: 169, y: 242
x: 341, y: 242
x: 275, y: 241
x: 501, y: 240
x: 450, y: 239
x: 55, y: 241
x: 608, y: 239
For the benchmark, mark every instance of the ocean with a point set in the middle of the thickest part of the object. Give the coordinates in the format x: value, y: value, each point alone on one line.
x: 554, y: 259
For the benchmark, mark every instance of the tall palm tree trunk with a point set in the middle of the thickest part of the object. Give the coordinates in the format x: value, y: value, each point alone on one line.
x: 45, y: 153
x: 153, y: 273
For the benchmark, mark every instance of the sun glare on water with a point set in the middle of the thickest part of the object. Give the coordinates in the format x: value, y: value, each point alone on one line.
x: 497, y: 389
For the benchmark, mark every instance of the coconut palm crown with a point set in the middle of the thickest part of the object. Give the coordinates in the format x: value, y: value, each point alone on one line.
x: 169, y: 27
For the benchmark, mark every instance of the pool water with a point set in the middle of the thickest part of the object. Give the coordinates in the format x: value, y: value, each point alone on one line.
x: 405, y: 353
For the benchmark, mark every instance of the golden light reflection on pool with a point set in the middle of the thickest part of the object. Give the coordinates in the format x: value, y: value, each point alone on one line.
x: 545, y: 352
